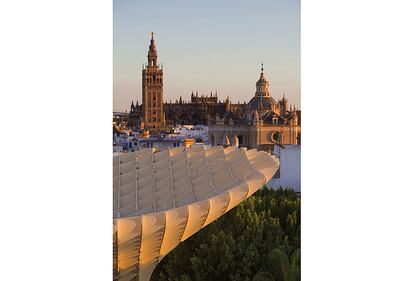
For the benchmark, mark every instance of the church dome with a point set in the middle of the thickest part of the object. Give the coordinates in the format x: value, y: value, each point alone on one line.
x: 264, y: 102
x: 262, y: 98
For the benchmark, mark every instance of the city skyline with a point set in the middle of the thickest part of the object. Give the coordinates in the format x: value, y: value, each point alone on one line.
x: 222, y: 50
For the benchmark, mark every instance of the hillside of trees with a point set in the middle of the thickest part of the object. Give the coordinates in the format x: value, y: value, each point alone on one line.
x: 259, y: 240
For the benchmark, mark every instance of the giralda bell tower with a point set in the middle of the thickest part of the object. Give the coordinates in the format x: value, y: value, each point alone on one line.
x: 152, y: 88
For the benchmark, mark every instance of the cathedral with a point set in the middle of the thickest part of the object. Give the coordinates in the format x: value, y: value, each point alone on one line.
x: 261, y: 123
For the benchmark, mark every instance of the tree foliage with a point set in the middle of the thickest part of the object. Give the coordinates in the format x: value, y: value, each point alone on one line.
x: 259, y: 240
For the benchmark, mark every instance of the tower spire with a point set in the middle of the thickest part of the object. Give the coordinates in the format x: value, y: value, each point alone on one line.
x: 152, y: 52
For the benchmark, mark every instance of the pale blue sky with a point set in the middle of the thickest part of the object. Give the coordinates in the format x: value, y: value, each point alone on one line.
x: 208, y: 46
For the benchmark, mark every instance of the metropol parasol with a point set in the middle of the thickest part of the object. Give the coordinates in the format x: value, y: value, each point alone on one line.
x: 162, y: 198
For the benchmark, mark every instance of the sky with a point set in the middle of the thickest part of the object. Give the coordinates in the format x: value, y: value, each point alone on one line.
x: 208, y: 46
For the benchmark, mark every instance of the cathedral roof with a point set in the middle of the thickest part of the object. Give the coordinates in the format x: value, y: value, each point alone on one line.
x: 229, y: 115
x: 270, y: 116
x: 267, y: 102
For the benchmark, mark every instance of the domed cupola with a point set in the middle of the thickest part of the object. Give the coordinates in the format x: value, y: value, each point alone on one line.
x: 262, y: 99
x: 262, y: 86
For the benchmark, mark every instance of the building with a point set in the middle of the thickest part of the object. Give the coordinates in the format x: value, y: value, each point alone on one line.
x: 158, y: 140
x: 127, y: 140
x: 261, y: 123
x: 152, y: 89
x: 197, y: 132
x: 288, y: 174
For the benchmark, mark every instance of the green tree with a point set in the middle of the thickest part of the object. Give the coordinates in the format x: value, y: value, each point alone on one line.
x: 263, y: 276
x: 258, y: 240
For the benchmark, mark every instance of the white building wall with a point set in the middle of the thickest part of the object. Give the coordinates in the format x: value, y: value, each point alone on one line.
x: 289, y: 168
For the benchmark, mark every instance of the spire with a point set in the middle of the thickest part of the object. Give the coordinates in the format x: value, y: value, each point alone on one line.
x: 152, y: 52
x: 228, y: 103
x: 262, y: 74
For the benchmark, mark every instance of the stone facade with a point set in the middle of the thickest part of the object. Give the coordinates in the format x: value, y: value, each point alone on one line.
x: 254, y: 135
